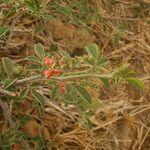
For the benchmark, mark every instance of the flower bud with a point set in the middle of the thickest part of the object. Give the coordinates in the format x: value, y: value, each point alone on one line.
x: 62, y: 87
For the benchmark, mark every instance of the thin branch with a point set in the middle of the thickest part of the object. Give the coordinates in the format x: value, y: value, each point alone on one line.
x: 63, y: 78
x: 83, y: 76
x: 143, y: 139
x: 48, y: 102
x: 28, y: 79
x: 12, y: 94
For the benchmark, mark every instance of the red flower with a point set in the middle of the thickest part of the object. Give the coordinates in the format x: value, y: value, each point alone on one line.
x: 62, y: 87
x: 48, y: 61
x: 48, y: 73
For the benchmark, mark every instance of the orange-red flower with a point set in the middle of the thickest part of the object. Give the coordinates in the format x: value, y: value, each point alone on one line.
x: 48, y: 61
x: 48, y: 73
x: 62, y: 87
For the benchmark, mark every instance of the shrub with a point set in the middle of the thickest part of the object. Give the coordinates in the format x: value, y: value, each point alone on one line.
x: 64, y: 79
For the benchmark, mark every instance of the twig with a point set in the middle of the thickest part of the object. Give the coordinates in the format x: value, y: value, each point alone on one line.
x: 143, y: 139
x: 107, y: 123
x: 28, y: 79
x: 140, y: 111
x: 48, y: 102
x: 63, y: 77
x: 83, y: 76
x: 12, y: 94
x: 146, y: 77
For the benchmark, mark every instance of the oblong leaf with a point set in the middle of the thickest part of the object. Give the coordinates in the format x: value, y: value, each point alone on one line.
x: 65, y: 54
x: 38, y: 97
x: 93, y: 50
x: 34, y: 67
x: 3, y: 30
x: 24, y: 93
x: 137, y: 83
x: 105, y: 81
x: 54, y: 93
x: 83, y: 93
x: 8, y: 65
x: 8, y: 83
x: 39, y: 50
x: 103, y: 61
x: 33, y: 58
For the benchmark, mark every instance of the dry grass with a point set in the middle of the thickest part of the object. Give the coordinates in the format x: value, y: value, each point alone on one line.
x: 122, y: 118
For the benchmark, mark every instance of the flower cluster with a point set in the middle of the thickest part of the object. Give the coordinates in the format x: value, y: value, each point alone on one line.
x: 48, y: 62
x: 50, y: 72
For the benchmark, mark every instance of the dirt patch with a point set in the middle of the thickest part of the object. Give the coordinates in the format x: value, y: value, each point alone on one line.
x: 73, y: 38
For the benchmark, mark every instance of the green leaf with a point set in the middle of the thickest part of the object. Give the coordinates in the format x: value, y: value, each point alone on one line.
x: 49, y: 18
x: 8, y: 65
x: 118, y: 79
x: 123, y: 26
x: 69, y: 89
x: 71, y: 93
x: 35, y: 67
x: 8, y: 13
x: 8, y: 83
x: 24, y: 93
x: 129, y: 73
x: 54, y: 93
x: 93, y: 50
x: 91, y: 61
x: 83, y: 93
x: 39, y: 50
x: 89, y: 123
x: 117, y: 38
x: 38, y: 97
x: 103, y: 61
x: 17, y: 70
x: 3, y: 30
x: 34, y: 85
x: 124, y: 72
x: 105, y: 81
x: 65, y: 54
x: 33, y: 5
x: 7, y: 1
x: 65, y: 10
x: 82, y: 105
x: 24, y: 119
x: 53, y: 48
x: 137, y: 83
x: 33, y: 58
